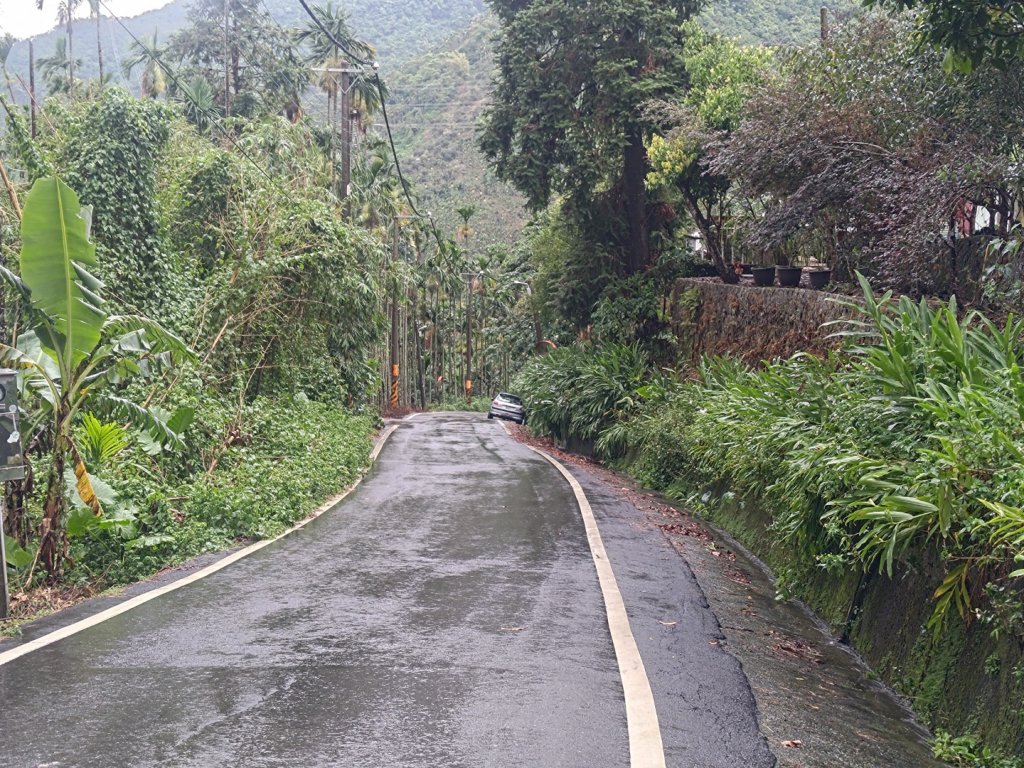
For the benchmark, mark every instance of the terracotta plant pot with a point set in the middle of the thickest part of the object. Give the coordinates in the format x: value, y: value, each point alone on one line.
x: 789, y: 277
x: 819, y: 278
x: 763, y: 276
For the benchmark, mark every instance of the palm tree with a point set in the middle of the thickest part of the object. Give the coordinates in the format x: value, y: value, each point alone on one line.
x: 327, y: 56
x: 466, y: 213
x: 148, y: 52
x: 57, y: 69
x: 198, y: 103
x: 65, y: 15
x: 376, y: 194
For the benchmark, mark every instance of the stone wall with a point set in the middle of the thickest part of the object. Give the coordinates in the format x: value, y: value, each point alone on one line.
x: 961, y: 679
x: 755, y: 324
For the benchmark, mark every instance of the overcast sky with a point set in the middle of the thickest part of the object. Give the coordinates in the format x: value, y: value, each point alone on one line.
x: 21, y: 19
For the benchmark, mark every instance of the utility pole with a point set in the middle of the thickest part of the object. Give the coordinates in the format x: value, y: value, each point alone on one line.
x: 345, y: 84
x: 227, y: 61
x: 395, y: 370
x: 32, y: 85
x: 824, y: 24
x: 346, y: 136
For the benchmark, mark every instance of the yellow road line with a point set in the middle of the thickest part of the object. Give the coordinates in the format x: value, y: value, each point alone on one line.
x: 645, y: 746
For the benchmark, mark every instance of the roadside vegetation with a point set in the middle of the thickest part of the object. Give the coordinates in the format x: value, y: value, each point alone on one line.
x: 211, y: 328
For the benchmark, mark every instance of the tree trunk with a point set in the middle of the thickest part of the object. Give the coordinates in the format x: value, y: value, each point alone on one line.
x: 99, y: 46
x: 71, y: 58
x: 634, y: 178
x: 712, y: 236
x: 53, y: 544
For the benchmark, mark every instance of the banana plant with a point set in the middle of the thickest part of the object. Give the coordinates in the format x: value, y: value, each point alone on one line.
x: 75, y: 352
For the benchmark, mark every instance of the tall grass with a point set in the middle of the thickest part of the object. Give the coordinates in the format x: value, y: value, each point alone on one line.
x: 583, y: 392
x: 908, y: 442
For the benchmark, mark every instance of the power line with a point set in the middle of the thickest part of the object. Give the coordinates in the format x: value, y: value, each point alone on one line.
x: 387, y: 124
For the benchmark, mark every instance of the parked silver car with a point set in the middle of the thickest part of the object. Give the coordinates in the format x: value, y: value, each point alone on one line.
x: 509, y: 407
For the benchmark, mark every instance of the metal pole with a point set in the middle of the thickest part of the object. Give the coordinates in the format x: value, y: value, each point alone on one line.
x: 5, y: 594
x: 346, y: 137
x: 469, y: 339
x: 227, y: 60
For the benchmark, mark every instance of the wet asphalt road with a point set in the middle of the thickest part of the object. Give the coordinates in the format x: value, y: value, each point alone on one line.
x: 446, y: 614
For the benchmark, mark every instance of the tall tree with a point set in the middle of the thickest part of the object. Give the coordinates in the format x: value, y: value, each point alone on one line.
x: 94, y: 11
x: 324, y: 54
x: 57, y: 68
x: 723, y: 75
x: 148, y: 52
x: 567, y: 115
x: 240, y: 50
x: 65, y: 15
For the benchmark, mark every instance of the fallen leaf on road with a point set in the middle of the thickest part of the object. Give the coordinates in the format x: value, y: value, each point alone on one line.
x: 667, y: 623
x: 794, y: 743
x: 511, y: 629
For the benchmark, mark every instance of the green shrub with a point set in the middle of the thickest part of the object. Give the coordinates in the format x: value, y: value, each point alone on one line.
x: 265, y: 469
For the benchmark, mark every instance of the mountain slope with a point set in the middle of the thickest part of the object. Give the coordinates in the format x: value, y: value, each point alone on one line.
x: 773, y: 22
x: 436, y: 100
x: 400, y: 29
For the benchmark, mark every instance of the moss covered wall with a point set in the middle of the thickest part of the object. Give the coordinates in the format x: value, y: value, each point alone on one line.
x: 964, y: 680
x: 755, y: 324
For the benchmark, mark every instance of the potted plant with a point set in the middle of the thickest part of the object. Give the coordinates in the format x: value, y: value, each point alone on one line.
x: 787, y: 275
x: 763, y: 276
x: 819, y: 276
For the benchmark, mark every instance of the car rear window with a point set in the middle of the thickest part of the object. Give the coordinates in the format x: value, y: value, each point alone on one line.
x: 510, y: 398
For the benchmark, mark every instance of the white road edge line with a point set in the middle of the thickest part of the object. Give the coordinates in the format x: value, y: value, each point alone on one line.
x: 645, y: 746
x: 135, y: 602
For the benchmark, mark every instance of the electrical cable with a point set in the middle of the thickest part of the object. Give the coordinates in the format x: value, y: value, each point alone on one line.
x: 387, y: 124
x: 330, y: 36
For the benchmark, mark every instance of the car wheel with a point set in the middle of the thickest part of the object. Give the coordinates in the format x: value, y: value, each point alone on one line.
x: 490, y: 415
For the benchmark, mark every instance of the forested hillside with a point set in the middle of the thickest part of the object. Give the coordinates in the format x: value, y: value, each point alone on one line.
x: 772, y: 22
x: 437, y: 99
x: 400, y: 29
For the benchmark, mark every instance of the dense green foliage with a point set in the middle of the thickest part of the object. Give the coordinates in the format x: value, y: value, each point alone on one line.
x: 246, y: 259
x: 566, y: 116
x: 970, y: 31
x: 907, y: 447
x: 285, y: 457
x: 863, y: 154
x: 723, y: 76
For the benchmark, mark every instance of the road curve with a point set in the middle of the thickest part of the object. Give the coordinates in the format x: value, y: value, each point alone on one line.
x: 447, y: 613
